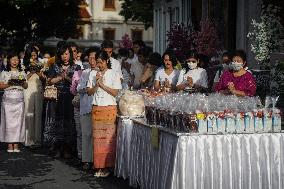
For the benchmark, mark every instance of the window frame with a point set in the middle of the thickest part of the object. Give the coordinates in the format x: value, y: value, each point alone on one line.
x: 106, y: 30
x: 136, y: 30
x: 109, y: 8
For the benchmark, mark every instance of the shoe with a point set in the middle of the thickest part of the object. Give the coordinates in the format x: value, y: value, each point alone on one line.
x: 10, y: 151
x: 98, y: 173
x: 105, y: 173
x: 17, y: 150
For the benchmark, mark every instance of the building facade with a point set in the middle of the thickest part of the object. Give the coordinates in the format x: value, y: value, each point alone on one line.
x: 101, y: 20
x: 233, y: 19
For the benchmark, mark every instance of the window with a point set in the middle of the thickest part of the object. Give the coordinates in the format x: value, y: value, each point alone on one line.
x: 109, y: 5
x: 137, y: 34
x: 109, y: 33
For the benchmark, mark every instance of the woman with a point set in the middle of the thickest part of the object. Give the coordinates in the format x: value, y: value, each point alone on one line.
x: 192, y: 77
x: 85, y: 110
x: 33, y: 97
x: 13, y: 81
x: 149, y: 71
x: 104, y: 85
x: 166, y: 78
x: 238, y: 81
x: 59, y: 128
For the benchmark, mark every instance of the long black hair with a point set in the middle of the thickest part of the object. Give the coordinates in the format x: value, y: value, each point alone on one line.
x: 10, y: 55
x: 28, y: 54
x: 104, y: 56
x: 172, y: 57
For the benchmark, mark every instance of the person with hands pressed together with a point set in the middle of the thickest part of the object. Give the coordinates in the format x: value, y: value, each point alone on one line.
x: 166, y: 78
x: 59, y: 123
x: 191, y: 76
x: 33, y: 96
x: 13, y: 81
x: 104, y: 86
x: 238, y: 81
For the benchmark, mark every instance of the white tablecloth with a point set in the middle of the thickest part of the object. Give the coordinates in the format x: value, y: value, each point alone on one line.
x: 200, y: 161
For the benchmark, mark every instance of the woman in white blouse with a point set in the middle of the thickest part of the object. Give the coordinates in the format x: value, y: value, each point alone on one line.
x: 191, y: 76
x: 166, y: 78
x: 13, y: 81
x: 104, y: 86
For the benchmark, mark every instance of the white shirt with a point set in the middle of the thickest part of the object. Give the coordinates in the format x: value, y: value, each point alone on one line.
x: 136, y: 70
x: 161, y: 76
x: 198, y: 75
x: 132, y: 60
x: 125, y: 75
x: 79, y: 63
x: 116, y: 66
x: 111, y: 79
x: 85, y: 99
x: 5, y: 76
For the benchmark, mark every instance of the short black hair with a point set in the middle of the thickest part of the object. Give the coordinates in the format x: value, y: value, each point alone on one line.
x: 91, y: 50
x: 240, y: 53
x: 123, y: 52
x: 61, y: 51
x: 145, y: 51
x: 107, y: 44
x: 72, y: 44
x: 155, y: 59
x: 192, y: 54
x: 10, y: 54
x: 104, y: 56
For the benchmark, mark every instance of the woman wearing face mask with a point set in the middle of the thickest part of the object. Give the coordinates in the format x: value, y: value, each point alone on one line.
x: 238, y: 81
x: 192, y: 77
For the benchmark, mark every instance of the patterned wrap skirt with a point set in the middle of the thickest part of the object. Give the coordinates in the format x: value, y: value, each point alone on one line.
x: 104, y: 136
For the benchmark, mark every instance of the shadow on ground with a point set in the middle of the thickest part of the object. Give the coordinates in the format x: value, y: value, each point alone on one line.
x: 33, y: 168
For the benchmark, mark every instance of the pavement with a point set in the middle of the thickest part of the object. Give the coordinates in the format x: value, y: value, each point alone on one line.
x: 34, y: 169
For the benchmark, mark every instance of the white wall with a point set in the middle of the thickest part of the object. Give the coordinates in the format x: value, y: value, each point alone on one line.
x: 111, y: 19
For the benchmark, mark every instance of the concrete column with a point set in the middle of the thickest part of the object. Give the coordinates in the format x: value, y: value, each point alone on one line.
x: 247, y: 10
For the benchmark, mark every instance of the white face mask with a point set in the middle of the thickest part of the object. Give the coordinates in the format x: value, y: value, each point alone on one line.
x: 192, y: 65
x: 236, y: 66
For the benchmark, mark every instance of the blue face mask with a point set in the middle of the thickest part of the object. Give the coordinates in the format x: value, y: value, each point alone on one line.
x: 236, y: 66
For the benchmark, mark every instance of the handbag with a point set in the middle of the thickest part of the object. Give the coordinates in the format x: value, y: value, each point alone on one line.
x: 76, y: 101
x: 50, y: 92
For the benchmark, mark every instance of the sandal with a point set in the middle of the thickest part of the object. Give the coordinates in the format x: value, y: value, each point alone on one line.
x: 105, y: 173
x: 17, y: 150
x: 98, y: 173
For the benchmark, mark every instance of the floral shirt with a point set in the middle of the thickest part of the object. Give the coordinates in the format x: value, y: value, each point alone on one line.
x: 63, y: 85
x: 244, y: 83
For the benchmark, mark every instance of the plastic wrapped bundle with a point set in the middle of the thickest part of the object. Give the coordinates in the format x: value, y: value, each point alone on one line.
x: 131, y: 104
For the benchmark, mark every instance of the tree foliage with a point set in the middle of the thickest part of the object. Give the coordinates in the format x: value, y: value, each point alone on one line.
x: 137, y: 10
x: 25, y: 20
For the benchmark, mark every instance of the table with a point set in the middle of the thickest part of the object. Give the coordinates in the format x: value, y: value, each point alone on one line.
x: 185, y: 161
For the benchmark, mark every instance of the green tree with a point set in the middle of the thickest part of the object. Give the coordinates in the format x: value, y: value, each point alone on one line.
x: 25, y: 20
x: 137, y: 10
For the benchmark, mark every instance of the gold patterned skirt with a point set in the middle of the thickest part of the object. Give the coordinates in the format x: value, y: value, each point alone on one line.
x: 104, y: 136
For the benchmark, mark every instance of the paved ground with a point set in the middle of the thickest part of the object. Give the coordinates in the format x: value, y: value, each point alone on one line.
x: 34, y: 169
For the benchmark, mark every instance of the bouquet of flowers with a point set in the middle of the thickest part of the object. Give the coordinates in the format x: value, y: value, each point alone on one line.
x: 16, y: 80
x: 266, y: 34
x: 126, y: 42
x: 179, y: 39
x: 206, y: 40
